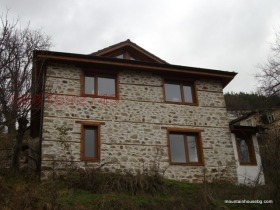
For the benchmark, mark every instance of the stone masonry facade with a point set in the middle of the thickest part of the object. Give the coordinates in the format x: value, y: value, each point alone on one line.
x: 134, y: 128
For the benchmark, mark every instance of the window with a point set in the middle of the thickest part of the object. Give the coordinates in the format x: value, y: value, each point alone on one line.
x: 245, y: 149
x: 120, y: 56
x: 179, y: 92
x: 126, y: 55
x: 90, y: 142
x: 100, y: 85
x: 270, y: 117
x: 249, y: 122
x: 185, y: 148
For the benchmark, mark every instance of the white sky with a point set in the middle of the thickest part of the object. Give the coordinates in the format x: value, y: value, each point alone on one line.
x: 230, y: 35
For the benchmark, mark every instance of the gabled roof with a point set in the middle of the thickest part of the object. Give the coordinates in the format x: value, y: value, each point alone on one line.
x: 257, y: 111
x: 232, y: 122
x: 249, y: 129
x: 235, y: 127
x: 130, y: 47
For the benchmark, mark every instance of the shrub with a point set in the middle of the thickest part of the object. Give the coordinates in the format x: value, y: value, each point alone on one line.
x: 96, y: 181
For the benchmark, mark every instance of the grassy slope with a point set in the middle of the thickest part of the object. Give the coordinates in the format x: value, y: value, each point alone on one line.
x: 19, y: 193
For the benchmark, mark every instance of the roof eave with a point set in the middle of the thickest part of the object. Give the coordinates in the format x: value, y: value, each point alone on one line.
x: 242, y: 118
x: 224, y: 76
x: 240, y: 128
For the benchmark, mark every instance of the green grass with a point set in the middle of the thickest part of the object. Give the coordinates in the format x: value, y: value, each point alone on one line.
x: 17, y: 192
x: 78, y: 199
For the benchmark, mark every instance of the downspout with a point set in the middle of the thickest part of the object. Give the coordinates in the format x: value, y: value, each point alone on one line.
x: 42, y: 119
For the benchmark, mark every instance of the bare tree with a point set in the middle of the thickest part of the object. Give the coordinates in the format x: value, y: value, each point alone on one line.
x: 16, y: 53
x: 269, y: 148
x: 269, y: 76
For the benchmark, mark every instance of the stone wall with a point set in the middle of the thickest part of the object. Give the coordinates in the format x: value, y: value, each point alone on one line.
x: 133, y: 133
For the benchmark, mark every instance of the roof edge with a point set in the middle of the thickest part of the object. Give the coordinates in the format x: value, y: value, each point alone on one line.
x: 81, y: 58
x: 128, y: 43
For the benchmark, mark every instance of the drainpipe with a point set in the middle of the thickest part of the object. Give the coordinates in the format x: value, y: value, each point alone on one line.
x: 42, y: 118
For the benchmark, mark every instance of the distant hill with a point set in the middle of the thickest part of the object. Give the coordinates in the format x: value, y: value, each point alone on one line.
x: 249, y: 101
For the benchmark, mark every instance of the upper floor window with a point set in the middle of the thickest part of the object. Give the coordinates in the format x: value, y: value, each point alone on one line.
x: 270, y: 117
x: 180, y: 92
x: 100, y: 85
x: 185, y: 148
x: 245, y: 149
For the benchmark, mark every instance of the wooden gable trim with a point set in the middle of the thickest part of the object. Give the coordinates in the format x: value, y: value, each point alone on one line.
x: 129, y: 47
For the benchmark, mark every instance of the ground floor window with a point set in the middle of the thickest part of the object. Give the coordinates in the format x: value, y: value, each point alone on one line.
x: 90, y: 142
x: 185, y: 147
x: 245, y: 149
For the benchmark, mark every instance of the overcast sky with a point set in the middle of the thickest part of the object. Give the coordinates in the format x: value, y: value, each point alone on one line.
x: 229, y: 35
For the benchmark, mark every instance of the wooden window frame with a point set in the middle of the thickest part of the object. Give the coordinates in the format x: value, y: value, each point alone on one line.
x: 251, y: 148
x: 97, y: 74
x: 182, y: 83
x: 97, y: 144
x: 270, y: 117
x: 199, y: 147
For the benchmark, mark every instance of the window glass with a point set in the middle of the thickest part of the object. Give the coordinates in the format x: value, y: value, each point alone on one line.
x: 106, y: 86
x: 120, y: 56
x: 179, y: 92
x: 172, y: 92
x: 185, y: 148
x: 249, y: 122
x: 192, y: 148
x: 90, y: 142
x: 188, y: 97
x: 243, y: 150
x: 89, y: 85
x: 177, y: 147
x: 270, y: 118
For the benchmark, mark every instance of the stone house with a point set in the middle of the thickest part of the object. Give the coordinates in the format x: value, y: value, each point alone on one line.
x: 126, y: 110
x: 253, y: 124
x: 246, y: 149
x: 267, y: 119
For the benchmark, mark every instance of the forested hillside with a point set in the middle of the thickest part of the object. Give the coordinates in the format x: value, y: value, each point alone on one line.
x: 250, y: 101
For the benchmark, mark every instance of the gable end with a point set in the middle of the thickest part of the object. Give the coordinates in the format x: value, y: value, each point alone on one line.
x: 129, y: 50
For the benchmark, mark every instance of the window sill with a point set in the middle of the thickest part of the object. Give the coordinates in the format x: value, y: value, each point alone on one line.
x: 248, y: 164
x: 96, y: 96
x: 188, y: 164
x: 181, y: 103
x: 91, y: 159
